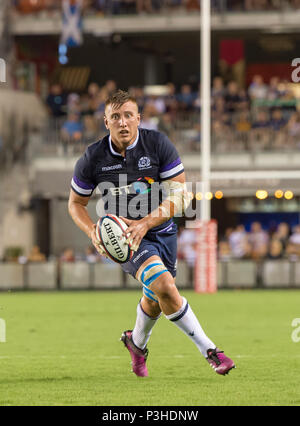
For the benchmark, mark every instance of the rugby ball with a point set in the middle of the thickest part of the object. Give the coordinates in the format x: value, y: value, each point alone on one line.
x: 110, y: 231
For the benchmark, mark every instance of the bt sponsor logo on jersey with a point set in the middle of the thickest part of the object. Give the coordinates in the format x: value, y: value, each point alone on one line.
x: 137, y: 187
x: 144, y: 163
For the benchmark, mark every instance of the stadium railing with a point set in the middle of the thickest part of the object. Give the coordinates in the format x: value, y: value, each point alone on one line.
x: 237, y: 136
x: 81, y: 275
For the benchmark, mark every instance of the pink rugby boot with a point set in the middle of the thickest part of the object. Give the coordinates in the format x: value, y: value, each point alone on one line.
x: 138, y: 356
x: 219, y: 361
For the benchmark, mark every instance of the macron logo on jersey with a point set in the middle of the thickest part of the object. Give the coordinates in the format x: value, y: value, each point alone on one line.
x: 115, y: 167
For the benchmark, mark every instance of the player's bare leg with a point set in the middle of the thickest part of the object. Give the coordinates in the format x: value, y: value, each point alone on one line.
x: 175, y: 307
x: 177, y: 310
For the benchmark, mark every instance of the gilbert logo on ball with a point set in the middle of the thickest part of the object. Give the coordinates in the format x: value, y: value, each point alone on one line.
x: 2, y: 71
x: 111, y: 232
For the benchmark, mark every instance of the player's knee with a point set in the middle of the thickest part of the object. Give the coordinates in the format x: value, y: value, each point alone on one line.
x: 164, y: 286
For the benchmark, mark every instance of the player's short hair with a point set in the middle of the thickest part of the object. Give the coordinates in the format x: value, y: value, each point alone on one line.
x: 118, y: 98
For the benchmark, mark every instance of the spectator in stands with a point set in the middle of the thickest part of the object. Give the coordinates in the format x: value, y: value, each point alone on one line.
x: 243, y: 126
x: 171, y: 99
x: 258, y: 240
x: 91, y: 256
x: 224, y: 251
x: 238, y: 242
x: 72, y: 129
x: 277, y: 121
x: 67, y: 255
x: 283, y: 234
x: 148, y: 121
x: 220, y: 112
x: 293, y: 246
x: 56, y: 101
x: 93, y: 101
x: 232, y: 97
x: 275, y: 249
x: 221, y: 136
x: 262, y: 121
x: 197, y: 100
x: 110, y: 87
x: 273, y: 92
x: 156, y: 104
x: 260, y: 133
x: 258, y: 89
x: 293, y: 129
x: 218, y: 89
x: 165, y: 125
x: 186, y: 98
x: 180, y: 253
x: 35, y: 255
x: 188, y: 246
x: 196, y: 137
x: 73, y: 104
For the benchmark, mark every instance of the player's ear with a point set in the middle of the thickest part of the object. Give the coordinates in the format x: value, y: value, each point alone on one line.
x: 105, y: 122
x: 139, y: 119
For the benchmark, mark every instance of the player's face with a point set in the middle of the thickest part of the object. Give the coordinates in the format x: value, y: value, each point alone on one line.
x: 122, y: 122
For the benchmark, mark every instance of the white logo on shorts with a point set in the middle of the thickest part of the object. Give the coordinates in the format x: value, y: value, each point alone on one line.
x: 140, y: 255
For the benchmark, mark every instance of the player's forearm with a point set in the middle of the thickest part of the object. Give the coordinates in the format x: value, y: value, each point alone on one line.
x: 165, y: 211
x: 80, y: 216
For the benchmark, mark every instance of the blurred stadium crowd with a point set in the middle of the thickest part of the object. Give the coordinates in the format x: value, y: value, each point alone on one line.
x: 256, y: 244
x: 261, y: 117
x: 117, y: 7
x: 237, y: 243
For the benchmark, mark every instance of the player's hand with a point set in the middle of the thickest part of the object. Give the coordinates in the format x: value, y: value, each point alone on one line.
x: 97, y: 243
x: 135, y: 232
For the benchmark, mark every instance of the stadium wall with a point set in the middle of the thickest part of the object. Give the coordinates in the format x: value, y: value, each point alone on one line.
x: 81, y: 275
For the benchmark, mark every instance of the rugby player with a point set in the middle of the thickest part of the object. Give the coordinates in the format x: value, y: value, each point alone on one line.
x: 143, y: 157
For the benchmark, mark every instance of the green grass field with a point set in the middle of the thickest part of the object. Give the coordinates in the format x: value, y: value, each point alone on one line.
x: 63, y: 348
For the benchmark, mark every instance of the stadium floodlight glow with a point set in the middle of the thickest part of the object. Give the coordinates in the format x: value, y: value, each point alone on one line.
x: 199, y: 196
x: 278, y: 193
x: 288, y: 195
x: 219, y: 195
x: 261, y: 194
x: 208, y: 195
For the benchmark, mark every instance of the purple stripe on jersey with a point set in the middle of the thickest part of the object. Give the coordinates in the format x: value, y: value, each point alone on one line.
x: 171, y: 165
x: 166, y: 229
x: 83, y: 185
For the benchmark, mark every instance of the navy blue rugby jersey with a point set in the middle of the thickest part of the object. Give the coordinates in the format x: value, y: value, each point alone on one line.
x: 129, y: 186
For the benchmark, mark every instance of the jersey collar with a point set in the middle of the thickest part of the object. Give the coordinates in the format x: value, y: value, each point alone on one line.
x: 129, y: 147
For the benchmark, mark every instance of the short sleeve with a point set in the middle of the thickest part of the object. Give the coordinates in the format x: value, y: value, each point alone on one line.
x: 82, y: 182
x: 170, y: 162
